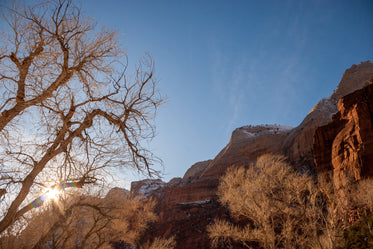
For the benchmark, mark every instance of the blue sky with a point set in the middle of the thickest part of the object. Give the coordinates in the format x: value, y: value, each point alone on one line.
x: 225, y: 64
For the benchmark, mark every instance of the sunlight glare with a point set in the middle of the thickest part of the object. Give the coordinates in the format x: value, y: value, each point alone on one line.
x: 53, y: 193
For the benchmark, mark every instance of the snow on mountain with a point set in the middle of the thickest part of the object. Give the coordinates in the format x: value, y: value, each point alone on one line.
x: 258, y: 130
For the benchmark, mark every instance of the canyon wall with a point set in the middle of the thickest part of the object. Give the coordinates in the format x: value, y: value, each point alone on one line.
x: 343, y: 146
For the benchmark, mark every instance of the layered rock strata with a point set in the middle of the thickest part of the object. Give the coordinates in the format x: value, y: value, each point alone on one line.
x: 345, y: 146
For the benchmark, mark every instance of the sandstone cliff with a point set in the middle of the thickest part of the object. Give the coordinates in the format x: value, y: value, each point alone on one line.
x: 249, y: 142
x: 188, y: 205
x: 345, y: 146
x: 195, y: 171
x: 298, y: 144
x: 246, y: 144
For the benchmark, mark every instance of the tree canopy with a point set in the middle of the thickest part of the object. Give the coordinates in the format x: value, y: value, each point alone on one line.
x: 68, y: 107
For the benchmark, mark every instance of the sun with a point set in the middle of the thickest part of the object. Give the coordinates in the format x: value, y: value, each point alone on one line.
x: 53, y: 193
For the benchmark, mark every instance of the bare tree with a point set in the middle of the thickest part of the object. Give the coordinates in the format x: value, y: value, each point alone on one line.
x: 281, y: 208
x: 344, y: 208
x: 279, y: 205
x: 82, y: 221
x: 67, y: 111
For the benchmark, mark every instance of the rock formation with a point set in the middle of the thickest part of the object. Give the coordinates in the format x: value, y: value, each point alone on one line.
x: 116, y: 193
x: 147, y: 187
x: 195, y: 171
x: 298, y: 144
x: 345, y: 146
x: 186, y: 206
x: 246, y: 144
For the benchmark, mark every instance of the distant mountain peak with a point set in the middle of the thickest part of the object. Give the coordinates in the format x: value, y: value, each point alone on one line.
x: 354, y: 78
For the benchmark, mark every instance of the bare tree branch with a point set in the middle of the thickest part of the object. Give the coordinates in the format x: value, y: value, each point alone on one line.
x: 66, y: 111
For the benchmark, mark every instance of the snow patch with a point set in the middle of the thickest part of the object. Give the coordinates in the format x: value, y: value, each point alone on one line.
x: 248, y: 134
x: 258, y: 130
x: 149, y: 186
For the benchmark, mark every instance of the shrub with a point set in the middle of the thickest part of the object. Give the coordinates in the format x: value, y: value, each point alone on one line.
x: 361, y: 234
x: 281, y: 203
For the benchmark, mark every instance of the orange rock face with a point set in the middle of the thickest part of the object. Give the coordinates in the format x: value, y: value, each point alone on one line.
x: 345, y: 146
x: 186, y: 206
x: 299, y: 143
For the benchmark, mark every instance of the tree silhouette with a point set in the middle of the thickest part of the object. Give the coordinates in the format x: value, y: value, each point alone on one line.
x: 68, y: 109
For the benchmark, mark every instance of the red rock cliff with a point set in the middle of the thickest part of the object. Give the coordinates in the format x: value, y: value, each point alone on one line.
x: 345, y: 146
x: 188, y: 205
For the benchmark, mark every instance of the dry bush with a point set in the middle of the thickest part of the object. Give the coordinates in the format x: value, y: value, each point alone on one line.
x: 331, y: 214
x: 286, y: 209
x: 280, y: 203
x: 343, y: 208
x: 160, y: 243
x: 88, y: 222
x: 364, y: 196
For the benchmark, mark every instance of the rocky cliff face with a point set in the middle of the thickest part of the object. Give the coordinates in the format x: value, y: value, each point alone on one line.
x: 194, y: 172
x: 345, y: 146
x: 188, y: 205
x: 246, y: 144
x: 298, y: 144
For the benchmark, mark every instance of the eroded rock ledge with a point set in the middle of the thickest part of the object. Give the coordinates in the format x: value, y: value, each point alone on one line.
x: 345, y: 145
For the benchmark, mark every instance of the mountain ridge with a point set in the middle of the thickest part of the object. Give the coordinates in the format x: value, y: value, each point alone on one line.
x: 195, y: 194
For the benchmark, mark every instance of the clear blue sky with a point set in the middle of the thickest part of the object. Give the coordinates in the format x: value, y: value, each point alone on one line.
x: 225, y: 64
